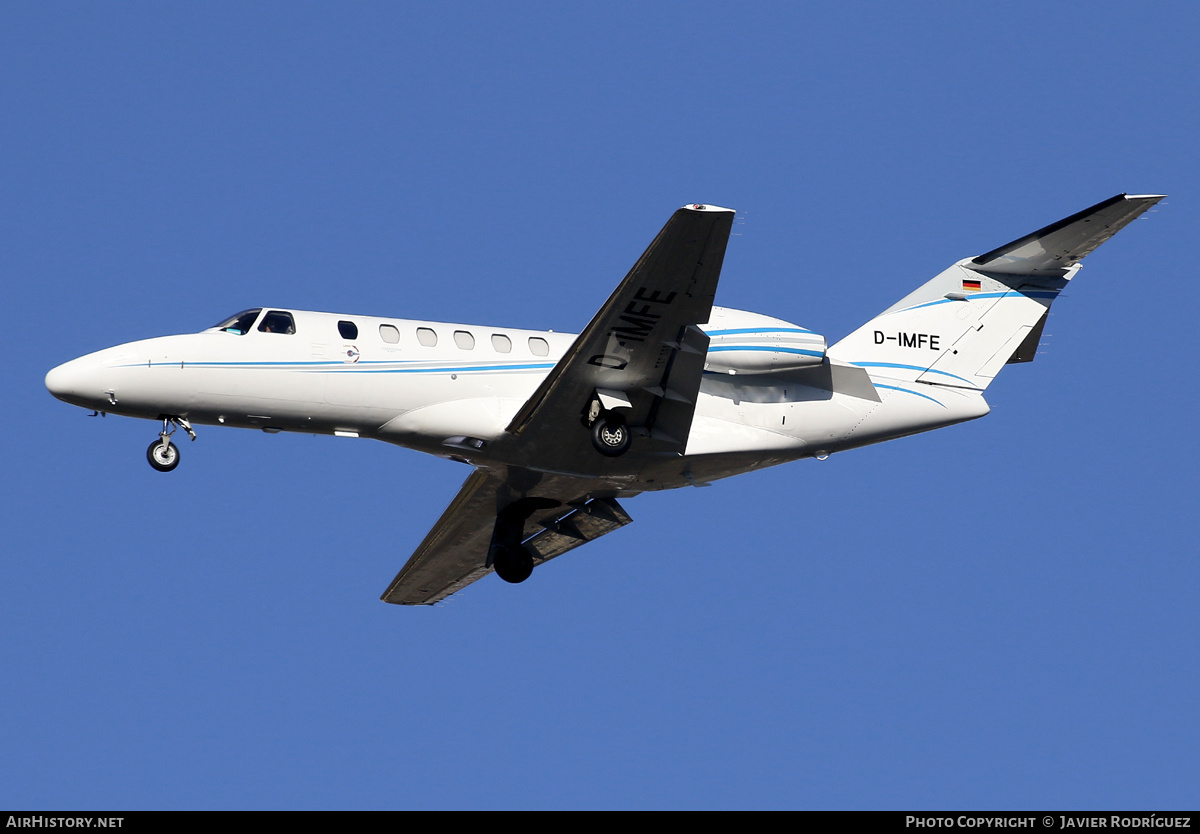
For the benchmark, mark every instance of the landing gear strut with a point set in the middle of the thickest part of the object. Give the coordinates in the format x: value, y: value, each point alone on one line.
x: 162, y: 453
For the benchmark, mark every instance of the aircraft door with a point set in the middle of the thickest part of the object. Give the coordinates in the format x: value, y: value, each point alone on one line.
x: 348, y: 384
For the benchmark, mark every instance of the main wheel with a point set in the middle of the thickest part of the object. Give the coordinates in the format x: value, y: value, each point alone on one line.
x: 610, y: 435
x: 163, y: 459
x: 513, y: 564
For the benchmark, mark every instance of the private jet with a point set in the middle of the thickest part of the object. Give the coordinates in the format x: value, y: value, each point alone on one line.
x: 661, y: 389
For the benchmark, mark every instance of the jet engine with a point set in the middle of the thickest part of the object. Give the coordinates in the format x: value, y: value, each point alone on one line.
x: 750, y: 343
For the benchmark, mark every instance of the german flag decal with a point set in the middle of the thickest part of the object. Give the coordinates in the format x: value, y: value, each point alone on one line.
x: 971, y: 285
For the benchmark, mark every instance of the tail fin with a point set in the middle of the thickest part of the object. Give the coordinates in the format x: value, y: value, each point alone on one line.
x: 960, y: 328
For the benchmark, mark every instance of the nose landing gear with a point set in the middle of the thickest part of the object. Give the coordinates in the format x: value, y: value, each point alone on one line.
x: 162, y: 453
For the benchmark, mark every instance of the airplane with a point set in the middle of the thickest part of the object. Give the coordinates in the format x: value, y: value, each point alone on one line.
x: 661, y: 390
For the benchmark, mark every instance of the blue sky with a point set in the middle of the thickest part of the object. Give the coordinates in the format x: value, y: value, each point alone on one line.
x: 997, y: 615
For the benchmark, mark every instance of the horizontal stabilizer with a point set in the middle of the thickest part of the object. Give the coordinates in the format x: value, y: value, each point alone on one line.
x: 1055, y: 249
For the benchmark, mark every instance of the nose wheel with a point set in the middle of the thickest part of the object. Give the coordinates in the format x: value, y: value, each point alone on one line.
x: 162, y: 453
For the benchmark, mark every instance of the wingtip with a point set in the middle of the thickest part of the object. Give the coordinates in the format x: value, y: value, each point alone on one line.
x: 707, y: 207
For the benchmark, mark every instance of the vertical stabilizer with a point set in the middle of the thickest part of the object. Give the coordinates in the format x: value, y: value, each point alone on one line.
x: 962, y: 327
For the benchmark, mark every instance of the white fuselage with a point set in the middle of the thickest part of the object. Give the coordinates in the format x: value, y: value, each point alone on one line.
x: 418, y: 384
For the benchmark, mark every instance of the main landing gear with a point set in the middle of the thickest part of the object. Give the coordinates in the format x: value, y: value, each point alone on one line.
x: 162, y: 453
x: 513, y: 561
x: 610, y: 434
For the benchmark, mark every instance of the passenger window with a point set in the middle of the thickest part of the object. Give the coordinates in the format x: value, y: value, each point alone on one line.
x: 240, y: 324
x: 389, y: 333
x: 426, y: 336
x: 538, y: 346
x: 277, y: 321
x: 464, y: 340
x: 348, y: 329
x: 501, y: 343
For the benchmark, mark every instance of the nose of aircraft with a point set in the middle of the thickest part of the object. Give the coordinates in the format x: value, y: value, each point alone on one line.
x: 75, y: 382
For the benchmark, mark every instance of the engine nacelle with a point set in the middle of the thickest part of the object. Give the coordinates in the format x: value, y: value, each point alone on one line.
x: 749, y: 343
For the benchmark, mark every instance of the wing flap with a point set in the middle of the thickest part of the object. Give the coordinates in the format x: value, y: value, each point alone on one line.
x: 594, y: 519
x: 669, y: 415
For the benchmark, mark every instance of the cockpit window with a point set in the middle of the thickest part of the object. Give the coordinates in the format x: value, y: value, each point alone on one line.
x: 277, y: 321
x: 240, y: 323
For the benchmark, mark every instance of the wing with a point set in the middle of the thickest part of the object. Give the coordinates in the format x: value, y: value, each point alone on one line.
x: 642, y: 352
x: 560, y: 513
x: 1059, y: 246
